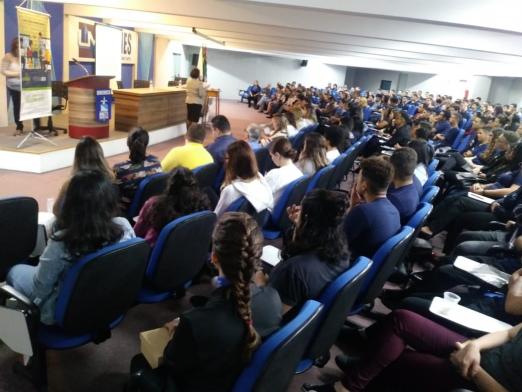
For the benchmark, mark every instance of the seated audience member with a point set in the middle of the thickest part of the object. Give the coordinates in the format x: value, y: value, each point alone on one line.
x: 411, y: 353
x: 313, y: 156
x: 192, y: 154
x: 211, y: 345
x: 182, y: 196
x: 140, y: 165
x: 242, y: 178
x: 278, y: 128
x: 404, y: 193
x: 282, y: 155
x: 421, y: 170
x: 88, y: 155
x: 447, y: 128
x: 254, y: 94
x: 87, y: 222
x: 422, y: 133
x: 253, y: 132
x: 316, y: 253
x: 372, y: 218
x: 401, y: 135
x: 291, y: 125
x: 224, y: 138
x: 334, y: 138
x: 300, y: 120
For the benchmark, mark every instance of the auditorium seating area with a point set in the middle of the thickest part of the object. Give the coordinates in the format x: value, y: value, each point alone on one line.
x: 459, y: 159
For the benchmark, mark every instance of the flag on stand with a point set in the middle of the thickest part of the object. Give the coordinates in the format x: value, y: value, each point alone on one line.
x: 202, y: 62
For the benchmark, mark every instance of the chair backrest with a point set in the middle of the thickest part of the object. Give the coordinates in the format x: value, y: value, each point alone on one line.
x: 243, y: 205
x: 150, y: 186
x: 458, y: 139
x: 172, y: 83
x: 412, y: 109
x: 344, y: 166
x: 18, y: 231
x: 419, y: 218
x: 464, y: 142
x: 367, y: 112
x: 384, y: 261
x: 119, y: 84
x: 141, y: 83
x: 432, y: 180
x: 272, y: 365
x: 206, y: 174
x: 264, y: 161
x: 292, y: 194
x: 100, y: 287
x: 298, y: 139
x: 181, y: 251
x: 430, y: 194
x: 321, y: 179
x: 337, y: 299
x: 432, y: 167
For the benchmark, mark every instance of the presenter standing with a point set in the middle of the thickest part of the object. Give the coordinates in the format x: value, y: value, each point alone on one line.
x: 11, y: 70
x: 195, y: 97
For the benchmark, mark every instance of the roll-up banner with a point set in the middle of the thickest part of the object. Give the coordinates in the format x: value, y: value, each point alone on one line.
x: 35, y: 63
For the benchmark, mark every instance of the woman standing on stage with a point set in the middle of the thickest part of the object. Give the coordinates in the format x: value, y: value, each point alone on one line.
x: 10, y: 68
x: 195, y: 97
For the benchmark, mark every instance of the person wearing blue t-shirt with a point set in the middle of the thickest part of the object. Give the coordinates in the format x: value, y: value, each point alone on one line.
x: 447, y: 129
x: 404, y: 192
x: 372, y: 218
x: 218, y: 148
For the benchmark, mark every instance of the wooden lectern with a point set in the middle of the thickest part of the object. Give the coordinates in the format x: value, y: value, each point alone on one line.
x: 82, y: 106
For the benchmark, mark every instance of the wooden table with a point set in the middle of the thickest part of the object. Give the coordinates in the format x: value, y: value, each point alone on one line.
x: 150, y: 108
x: 214, y: 93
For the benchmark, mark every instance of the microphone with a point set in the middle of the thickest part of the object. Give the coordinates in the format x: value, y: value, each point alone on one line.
x: 81, y: 66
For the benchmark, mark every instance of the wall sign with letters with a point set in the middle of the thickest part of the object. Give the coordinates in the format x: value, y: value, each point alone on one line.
x: 82, y: 41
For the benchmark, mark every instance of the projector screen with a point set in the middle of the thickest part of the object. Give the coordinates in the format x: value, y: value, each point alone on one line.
x: 108, y: 51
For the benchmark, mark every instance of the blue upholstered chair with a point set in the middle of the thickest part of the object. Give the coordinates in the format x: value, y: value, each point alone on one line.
x: 206, y: 176
x: 432, y: 180
x: 95, y: 293
x: 243, y: 205
x: 293, y: 194
x: 244, y: 94
x: 430, y: 194
x: 458, y: 139
x: 387, y: 257
x: 298, y: 140
x: 432, y: 167
x: 150, y: 186
x: 321, y: 179
x: 337, y: 299
x: 181, y: 251
x: 272, y: 365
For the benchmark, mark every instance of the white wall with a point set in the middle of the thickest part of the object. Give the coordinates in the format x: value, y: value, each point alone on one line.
x: 506, y: 90
x: 164, y: 60
x: 232, y: 71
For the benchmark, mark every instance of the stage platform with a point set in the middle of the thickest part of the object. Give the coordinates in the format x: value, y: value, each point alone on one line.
x: 38, y: 156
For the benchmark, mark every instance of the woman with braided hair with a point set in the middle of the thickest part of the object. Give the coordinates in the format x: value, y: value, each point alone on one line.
x: 211, y: 344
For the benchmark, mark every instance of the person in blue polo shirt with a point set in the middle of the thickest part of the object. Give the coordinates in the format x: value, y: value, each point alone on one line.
x: 218, y: 148
x: 372, y: 218
x: 403, y: 192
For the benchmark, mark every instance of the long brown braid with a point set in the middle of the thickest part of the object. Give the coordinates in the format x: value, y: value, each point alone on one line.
x: 237, y: 244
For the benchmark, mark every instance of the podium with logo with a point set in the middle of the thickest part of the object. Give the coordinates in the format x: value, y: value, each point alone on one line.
x: 84, y: 119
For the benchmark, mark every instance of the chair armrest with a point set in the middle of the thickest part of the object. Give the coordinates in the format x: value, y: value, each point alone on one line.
x: 7, y: 291
x: 496, y: 225
x: 502, y: 251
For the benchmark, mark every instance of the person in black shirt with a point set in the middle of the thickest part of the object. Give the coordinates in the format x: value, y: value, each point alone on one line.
x: 317, y: 252
x: 402, y: 133
x: 211, y: 344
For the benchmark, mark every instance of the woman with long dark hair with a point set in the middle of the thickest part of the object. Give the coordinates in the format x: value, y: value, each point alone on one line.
x: 242, y: 178
x: 313, y: 156
x: 87, y: 222
x: 211, y: 344
x: 11, y: 70
x: 139, y: 165
x: 181, y: 197
x: 317, y: 251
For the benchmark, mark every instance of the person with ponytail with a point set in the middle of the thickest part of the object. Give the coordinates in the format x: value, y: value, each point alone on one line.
x: 139, y: 165
x: 211, y: 345
x: 182, y: 196
x: 283, y: 156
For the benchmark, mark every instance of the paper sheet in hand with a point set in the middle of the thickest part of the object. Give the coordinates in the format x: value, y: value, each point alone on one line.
x: 153, y: 344
x: 466, y: 317
x: 271, y: 255
x: 481, y: 198
x: 484, y: 272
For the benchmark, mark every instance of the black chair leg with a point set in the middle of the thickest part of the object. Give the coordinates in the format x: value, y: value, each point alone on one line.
x: 35, y: 371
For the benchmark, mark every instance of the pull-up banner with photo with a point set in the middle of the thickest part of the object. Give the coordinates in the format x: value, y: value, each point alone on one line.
x: 34, y: 33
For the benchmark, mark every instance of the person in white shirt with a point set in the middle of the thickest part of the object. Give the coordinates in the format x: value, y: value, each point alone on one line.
x: 282, y: 154
x: 242, y: 178
x: 195, y: 97
x: 313, y: 155
x: 334, y: 138
x: 421, y: 170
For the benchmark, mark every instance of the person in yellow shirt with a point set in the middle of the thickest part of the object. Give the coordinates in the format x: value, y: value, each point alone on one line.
x: 192, y: 154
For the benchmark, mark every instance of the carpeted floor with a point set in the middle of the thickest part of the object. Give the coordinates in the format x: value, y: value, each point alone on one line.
x: 104, y: 367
